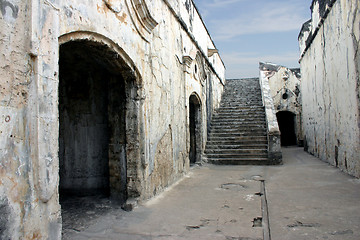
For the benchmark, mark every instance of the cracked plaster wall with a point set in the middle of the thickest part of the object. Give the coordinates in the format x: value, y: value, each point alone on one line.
x: 330, y: 84
x: 161, y: 59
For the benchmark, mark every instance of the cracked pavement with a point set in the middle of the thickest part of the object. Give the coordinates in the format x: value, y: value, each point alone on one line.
x: 303, y: 199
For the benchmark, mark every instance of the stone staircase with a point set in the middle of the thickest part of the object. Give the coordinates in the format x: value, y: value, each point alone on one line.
x: 238, y: 134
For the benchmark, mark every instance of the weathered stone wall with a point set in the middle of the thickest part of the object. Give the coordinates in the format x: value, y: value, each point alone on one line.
x: 158, y: 50
x: 285, y: 91
x: 330, y: 83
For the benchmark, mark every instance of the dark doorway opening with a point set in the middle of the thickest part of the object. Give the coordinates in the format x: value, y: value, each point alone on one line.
x: 195, y: 129
x: 286, y: 121
x: 92, y: 132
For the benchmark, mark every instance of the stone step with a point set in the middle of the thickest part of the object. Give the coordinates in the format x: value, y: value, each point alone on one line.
x: 255, y: 102
x: 226, y: 121
x: 236, y: 151
x: 238, y: 115
x: 244, y: 80
x: 230, y: 145
x: 240, y: 111
x: 225, y: 144
x: 248, y: 133
x: 240, y: 104
x: 241, y: 118
x: 237, y: 139
x: 240, y: 140
x: 239, y: 93
x: 239, y: 128
x: 245, y: 161
x: 213, y: 136
x: 240, y: 88
x: 238, y: 122
x: 237, y: 125
x: 240, y: 96
x: 235, y: 133
x: 245, y: 101
x: 252, y: 94
x: 241, y: 114
x: 236, y: 155
x: 244, y: 108
x: 238, y: 99
x: 242, y: 85
x: 250, y: 119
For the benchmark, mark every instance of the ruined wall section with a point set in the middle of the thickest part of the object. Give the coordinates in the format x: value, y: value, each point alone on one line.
x: 330, y: 84
x: 285, y: 88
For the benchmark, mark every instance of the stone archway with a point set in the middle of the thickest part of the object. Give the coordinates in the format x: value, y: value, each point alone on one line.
x: 99, y: 124
x: 287, y: 126
x: 195, y: 128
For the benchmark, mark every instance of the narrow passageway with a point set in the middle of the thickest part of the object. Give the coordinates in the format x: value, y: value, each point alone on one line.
x: 306, y: 199
x: 195, y: 129
x: 286, y: 121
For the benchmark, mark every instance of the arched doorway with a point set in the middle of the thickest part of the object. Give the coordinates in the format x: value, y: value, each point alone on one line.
x: 286, y: 121
x: 195, y: 129
x: 98, y: 123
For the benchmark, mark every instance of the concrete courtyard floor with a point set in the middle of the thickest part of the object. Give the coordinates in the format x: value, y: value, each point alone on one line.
x: 303, y: 199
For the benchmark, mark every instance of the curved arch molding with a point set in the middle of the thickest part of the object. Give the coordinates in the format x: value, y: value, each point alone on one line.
x: 101, y: 39
x: 139, y: 14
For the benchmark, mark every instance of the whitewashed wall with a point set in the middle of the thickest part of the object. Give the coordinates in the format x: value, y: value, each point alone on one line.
x: 330, y: 83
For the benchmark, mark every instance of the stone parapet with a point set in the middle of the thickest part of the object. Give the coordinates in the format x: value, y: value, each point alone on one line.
x: 273, y: 132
